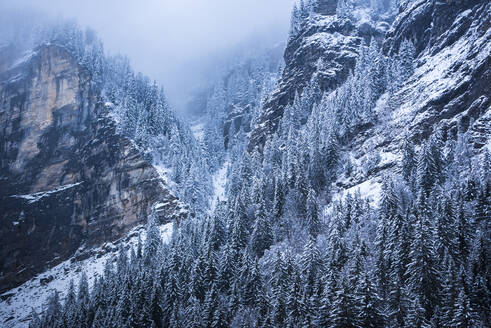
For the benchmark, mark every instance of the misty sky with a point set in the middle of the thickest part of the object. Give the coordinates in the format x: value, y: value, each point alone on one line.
x: 176, y: 42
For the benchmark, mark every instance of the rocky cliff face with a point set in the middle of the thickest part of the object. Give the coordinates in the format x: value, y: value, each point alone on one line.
x: 452, y: 81
x: 68, y: 180
x: 428, y: 24
x: 325, y: 51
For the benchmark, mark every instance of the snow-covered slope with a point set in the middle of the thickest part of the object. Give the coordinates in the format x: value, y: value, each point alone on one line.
x: 16, y: 305
x: 219, y: 184
x: 449, y: 88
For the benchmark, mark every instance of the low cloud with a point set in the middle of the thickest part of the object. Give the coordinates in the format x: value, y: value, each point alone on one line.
x: 176, y: 42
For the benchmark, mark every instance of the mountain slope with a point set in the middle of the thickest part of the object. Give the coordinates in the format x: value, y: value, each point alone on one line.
x: 449, y: 89
x: 322, y: 51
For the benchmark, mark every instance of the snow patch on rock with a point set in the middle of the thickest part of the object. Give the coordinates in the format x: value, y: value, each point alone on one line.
x: 32, y: 198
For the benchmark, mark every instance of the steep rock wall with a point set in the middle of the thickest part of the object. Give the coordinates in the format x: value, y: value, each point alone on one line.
x: 68, y: 180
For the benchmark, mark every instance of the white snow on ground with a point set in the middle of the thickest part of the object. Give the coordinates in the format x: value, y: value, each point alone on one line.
x: 219, y: 184
x: 198, y: 130
x: 362, y: 16
x: 114, y: 113
x: 387, y: 158
x: 15, y: 310
x: 369, y: 189
x: 37, y: 196
x: 381, y: 103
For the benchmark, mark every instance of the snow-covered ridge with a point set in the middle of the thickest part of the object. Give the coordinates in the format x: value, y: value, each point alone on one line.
x: 437, y: 75
x: 16, y: 305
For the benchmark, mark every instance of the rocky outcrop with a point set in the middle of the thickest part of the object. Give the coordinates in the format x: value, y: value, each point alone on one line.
x: 68, y: 179
x: 427, y: 24
x: 449, y: 89
x: 330, y: 39
x: 452, y: 82
x: 324, y: 50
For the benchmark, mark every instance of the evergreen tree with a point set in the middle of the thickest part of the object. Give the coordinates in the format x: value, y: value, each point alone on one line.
x: 464, y: 233
x: 262, y: 237
x: 462, y: 316
x: 445, y: 225
x: 416, y: 316
x: 423, y: 268
x: 35, y: 321
x: 409, y: 163
x: 53, y: 311
x: 381, y: 262
x: 366, y: 303
x: 153, y: 241
x: 278, y: 201
x: 294, y: 304
x: 313, y: 221
x: 342, y: 315
x: 278, y: 285
x: 427, y: 171
x: 449, y: 291
x: 376, y: 74
x: 480, y: 281
x: 295, y: 21
x: 407, y: 54
x: 311, y: 266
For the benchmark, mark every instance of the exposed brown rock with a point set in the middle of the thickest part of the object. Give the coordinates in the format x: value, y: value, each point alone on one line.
x: 67, y: 178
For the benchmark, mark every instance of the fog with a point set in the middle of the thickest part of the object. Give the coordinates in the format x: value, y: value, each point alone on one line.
x: 179, y: 43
